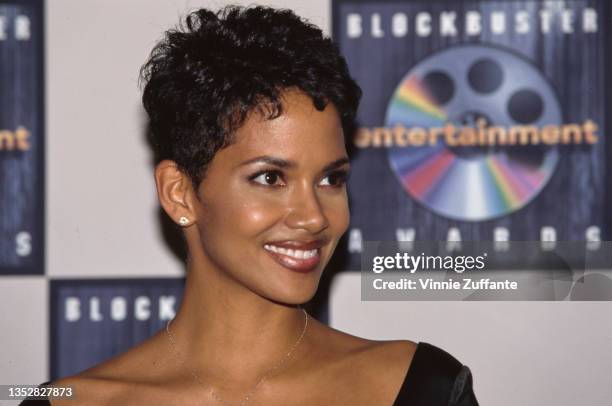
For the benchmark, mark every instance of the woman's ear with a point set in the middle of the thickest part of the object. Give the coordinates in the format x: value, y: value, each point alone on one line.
x: 175, y: 193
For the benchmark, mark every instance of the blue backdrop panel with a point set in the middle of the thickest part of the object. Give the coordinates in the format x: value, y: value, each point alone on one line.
x: 21, y: 138
x: 93, y: 320
x: 426, y: 64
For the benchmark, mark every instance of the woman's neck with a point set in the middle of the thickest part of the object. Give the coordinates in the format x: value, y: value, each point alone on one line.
x: 223, y: 328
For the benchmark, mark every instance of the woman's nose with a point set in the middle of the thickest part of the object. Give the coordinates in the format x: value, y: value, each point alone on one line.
x: 306, y: 211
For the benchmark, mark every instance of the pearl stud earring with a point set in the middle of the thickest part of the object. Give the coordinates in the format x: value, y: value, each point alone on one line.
x: 183, y: 221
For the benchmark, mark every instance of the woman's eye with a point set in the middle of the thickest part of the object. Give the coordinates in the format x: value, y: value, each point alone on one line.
x: 268, y: 178
x: 335, y: 179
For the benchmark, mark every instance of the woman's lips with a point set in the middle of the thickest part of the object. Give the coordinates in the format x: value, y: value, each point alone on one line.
x: 295, y: 259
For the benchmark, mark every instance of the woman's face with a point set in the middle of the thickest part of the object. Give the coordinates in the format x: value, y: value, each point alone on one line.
x: 274, y: 203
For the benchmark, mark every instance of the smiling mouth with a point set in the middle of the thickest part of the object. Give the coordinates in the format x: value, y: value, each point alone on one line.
x: 295, y: 259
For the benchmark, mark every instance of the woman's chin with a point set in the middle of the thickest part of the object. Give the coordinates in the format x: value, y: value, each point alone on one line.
x: 292, y: 297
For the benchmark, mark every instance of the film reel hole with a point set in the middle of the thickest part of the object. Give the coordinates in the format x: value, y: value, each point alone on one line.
x: 525, y: 106
x: 440, y: 85
x: 485, y: 76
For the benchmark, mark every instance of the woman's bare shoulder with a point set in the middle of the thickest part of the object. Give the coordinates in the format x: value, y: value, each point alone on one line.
x: 354, y: 345
x: 85, y: 389
x: 387, y: 359
x: 139, y: 367
x: 378, y: 367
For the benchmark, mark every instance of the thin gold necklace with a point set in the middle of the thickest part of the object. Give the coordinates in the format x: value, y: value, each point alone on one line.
x: 261, y: 380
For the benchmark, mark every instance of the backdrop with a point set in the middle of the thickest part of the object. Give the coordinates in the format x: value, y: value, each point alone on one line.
x: 108, y: 277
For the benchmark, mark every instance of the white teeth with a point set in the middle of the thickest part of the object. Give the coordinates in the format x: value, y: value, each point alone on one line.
x: 298, y: 254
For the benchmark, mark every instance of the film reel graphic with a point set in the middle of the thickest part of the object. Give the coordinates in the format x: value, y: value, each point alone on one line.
x: 463, y: 85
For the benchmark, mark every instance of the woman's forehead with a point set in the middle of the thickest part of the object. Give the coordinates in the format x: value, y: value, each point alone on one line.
x: 301, y: 134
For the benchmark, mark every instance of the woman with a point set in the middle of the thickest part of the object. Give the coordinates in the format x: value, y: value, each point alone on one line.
x: 248, y: 109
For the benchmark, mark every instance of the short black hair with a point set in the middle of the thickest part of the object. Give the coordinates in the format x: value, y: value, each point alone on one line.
x: 204, y: 77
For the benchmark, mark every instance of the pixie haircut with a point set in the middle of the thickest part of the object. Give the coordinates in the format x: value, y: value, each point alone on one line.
x: 203, y: 79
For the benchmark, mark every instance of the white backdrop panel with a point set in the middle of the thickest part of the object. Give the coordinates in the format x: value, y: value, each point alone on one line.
x: 520, y: 353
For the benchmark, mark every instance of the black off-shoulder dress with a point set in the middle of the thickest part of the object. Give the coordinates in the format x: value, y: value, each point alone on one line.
x: 435, y: 378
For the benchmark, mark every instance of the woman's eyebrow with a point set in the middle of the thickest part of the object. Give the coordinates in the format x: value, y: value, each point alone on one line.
x: 336, y: 164
x: 270, y: 160
x: 283, y: 163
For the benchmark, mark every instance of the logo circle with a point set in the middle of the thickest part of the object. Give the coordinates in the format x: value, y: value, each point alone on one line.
x: 479, y: 87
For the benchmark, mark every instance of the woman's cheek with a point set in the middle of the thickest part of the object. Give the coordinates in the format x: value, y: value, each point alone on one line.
x: 339, y: 215
x: 258, y: 216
